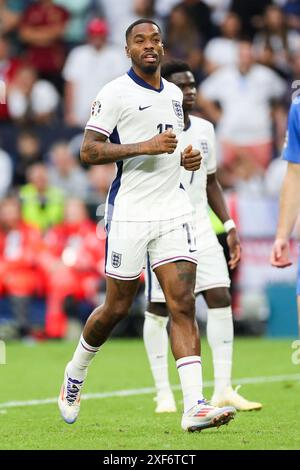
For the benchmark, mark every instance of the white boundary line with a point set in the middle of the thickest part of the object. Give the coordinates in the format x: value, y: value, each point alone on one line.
x: 149, y: 390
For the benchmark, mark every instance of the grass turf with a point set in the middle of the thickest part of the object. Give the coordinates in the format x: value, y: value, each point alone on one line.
x: 35, y: 372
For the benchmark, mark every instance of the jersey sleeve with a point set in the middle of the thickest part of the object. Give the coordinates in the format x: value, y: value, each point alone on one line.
x: 212, y: 160
x: 291, y: 149
x: 105, y: 111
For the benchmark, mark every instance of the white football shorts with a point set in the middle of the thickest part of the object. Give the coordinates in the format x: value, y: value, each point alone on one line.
x: 129, y: 244
x: 212, y: 270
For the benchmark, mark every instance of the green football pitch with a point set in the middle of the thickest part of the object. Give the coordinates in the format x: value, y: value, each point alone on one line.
x: 119, y: 410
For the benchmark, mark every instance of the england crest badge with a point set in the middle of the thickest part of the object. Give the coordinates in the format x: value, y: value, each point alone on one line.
x: 204, y: 148
x: 177, y: 109
x: 116, y: 259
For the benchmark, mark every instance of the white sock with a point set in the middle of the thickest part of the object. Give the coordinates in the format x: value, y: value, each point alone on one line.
x: 220, y: 339
x: 83, y: 355
x: 156, y: 344
x: 190, y: 374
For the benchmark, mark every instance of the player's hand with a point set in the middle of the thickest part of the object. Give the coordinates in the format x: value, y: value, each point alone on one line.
x: 165, y: 142
x: 191, y: 158
x: 234, y: 246
x: 280, y: 255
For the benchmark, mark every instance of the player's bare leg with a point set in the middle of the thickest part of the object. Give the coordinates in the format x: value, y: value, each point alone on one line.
x: 119, y: 297
x: 178, y: 282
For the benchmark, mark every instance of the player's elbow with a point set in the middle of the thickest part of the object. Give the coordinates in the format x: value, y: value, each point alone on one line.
x: 84, y: 154
x: 89, y: 154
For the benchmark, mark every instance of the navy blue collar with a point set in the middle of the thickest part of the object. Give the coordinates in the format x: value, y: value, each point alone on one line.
x: 131, y: 73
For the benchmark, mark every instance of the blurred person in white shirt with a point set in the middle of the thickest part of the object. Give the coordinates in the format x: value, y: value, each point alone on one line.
x: 245, y: 94
x: 88, y: 68
x: 30, y: 98
x: 223, y: 50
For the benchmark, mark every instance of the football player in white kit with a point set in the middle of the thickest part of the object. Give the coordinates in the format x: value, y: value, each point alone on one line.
x: 212, y: 279
x: 147, y: 211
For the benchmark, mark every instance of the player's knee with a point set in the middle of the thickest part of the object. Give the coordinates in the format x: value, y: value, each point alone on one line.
x: 118, y: 310
x: 183, y: 304
x: 218, y: 298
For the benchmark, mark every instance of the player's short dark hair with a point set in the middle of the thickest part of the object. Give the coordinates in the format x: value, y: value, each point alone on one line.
x: 177, y: 66
x: 140, y: 21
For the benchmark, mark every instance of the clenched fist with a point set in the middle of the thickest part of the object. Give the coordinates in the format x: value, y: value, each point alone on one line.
x: 191, y: 158
x: 165, y: 142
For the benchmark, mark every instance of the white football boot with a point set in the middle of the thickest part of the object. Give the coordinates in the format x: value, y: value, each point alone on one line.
x: 69, y: 398
x: 231, y: 397
x: 165, y: 402
x: 203, y: 416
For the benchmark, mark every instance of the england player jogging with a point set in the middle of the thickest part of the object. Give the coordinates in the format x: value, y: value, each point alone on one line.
x: 148, y: 214
x: 290, y: 196
x: 212, y: 279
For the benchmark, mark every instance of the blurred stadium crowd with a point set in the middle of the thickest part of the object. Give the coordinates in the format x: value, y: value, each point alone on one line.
x: 55, y: 55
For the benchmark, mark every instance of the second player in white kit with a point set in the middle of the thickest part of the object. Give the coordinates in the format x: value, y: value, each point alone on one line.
x: 212, y: 278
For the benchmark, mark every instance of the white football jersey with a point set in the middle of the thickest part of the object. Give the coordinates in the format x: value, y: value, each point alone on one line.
x: 128, y: 110
x: 201, y: 135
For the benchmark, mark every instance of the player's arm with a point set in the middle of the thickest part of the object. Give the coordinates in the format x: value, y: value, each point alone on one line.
x: 217, y: 203
x: 288, y: 212
x: 96, y: 150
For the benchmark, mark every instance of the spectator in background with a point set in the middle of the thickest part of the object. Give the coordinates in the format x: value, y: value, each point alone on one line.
x: 8, y: 68
x: 100, y: 178
x: 250, y: 13
x: 10, y: 14
x: 275, y: 43
x: 42, y: 28
x: 87, y: 68
x: 291, y: 9
x: 28, y: 153
x: 120, y: 14
x: 65, y: 172
x: 223, y: 50
x: 80, y: 12
x: 20, y: 277
x: 183, y: 40
x: 42, y: 204
x: 6, y: 172
x: 74, y: 263
x: 245, y: 94
x: 30, y: 99
x: 201, y: 14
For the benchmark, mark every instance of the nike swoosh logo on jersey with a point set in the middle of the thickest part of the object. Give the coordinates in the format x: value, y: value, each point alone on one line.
x: 144, y: 107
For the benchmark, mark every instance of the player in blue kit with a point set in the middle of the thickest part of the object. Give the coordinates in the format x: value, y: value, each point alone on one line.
x: 212, y: 279
x: 290, y: 195
x: 147, y: 212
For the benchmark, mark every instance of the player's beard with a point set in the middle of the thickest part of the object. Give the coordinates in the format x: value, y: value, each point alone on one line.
x: 148, y: 69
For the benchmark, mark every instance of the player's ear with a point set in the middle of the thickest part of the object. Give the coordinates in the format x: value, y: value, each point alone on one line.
x: 127, y: 51
x: 163, y: 50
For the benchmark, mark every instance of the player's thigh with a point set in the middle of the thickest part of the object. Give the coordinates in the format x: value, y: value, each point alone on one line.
x: 126, y: 248
x: 173, y: 258
x: 177, y: 280
x: 217, y: 297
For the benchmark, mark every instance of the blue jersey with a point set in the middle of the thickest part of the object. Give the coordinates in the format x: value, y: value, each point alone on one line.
x: 291, y: 149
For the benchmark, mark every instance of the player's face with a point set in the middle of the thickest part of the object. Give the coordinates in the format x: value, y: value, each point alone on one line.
x: 186, y: 82
x: 145, y: 47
